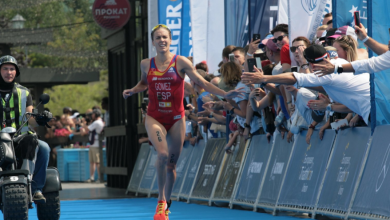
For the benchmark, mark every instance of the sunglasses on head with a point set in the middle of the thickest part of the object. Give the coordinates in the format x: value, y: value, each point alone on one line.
x: 293, y: 49
x: 280, y: 38
x: 161, y: 25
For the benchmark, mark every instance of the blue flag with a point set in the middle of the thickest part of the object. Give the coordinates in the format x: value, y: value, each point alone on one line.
x: 176, y: 15
x: 263, y: 16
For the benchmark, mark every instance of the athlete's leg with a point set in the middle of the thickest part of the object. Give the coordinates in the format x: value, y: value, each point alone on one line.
x: 175, y: 139
x: 157, y: 135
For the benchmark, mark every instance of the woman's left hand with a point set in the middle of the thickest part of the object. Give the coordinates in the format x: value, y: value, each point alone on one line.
x: 319, y: 104
x: 235, y: 93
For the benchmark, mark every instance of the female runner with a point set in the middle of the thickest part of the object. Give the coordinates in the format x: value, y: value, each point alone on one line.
x: 164, y: 76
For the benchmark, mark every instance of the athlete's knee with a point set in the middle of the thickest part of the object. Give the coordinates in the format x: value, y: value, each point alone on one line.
x: 162, y: 157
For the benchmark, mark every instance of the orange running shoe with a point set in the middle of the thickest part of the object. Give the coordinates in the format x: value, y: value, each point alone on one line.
x: 166, y: 214
x: 160, y: 211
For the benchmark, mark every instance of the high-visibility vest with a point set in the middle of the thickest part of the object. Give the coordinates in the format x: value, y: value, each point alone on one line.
x: 14, y: 108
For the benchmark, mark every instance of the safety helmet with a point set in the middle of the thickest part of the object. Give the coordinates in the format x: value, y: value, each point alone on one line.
x: 10, y: 60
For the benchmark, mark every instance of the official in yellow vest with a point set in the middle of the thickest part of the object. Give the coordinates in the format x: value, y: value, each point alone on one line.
x: 15, y: 101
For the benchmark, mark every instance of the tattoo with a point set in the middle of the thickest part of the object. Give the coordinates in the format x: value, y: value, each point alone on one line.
x: 158, y: 136
x: 172, y: 158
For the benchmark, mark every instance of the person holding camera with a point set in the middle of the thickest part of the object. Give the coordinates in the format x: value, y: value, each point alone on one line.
x: 16, y: 101
x: 164, y: 76
x: 93, y: 130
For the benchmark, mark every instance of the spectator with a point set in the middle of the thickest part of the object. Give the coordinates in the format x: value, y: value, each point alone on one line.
x: 106, y: 117
x: 327, y: 18
x: 203, y: 66
x: 239, y: 55
x: 94, y: 129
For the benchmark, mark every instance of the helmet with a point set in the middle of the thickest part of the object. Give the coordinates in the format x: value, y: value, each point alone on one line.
x: 10, y: 60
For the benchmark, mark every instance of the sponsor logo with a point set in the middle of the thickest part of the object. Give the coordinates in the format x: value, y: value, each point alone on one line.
x: 165, y: 78
x: 110, y: 2
x: 309, y: 6
x: 164, y: 111
x: 171, y: 70
x: 177, y: 117
x: 154, y: 78
x: 165, y: 104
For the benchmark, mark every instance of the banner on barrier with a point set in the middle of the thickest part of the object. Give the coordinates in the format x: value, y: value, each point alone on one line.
x: 208, y: 171
x: 343, y: 170
x: 181, y: 166
x: 229, y: 174
x: 139, y: 168
x: 275, y: 172
x: 306, y: 170
x: 149, y: 173
x: 193, y: 167
x: 254, y: 169
x: 373, y: 193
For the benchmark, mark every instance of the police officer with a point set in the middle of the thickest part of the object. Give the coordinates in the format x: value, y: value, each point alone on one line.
x: 15, y: 101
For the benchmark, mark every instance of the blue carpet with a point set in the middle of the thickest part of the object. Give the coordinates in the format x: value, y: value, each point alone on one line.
x: 143, y: 208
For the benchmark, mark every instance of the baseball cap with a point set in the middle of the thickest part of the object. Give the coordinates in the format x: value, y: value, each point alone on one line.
x: 264, y: 42
x: 76, y: 114
x: 328, y: 33
x: 315, y: 53
x: 270, y: 44
x: 344, y: 30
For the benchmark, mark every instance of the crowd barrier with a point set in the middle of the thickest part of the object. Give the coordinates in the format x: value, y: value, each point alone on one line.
x: 343, y: 175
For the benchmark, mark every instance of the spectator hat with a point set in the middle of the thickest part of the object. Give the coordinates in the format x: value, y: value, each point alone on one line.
x: 76, y: 114
x: 328, y: 33
x: 264, y: 41
x: 344, y: 30
x: 315, y: 53
x: 270, y: 45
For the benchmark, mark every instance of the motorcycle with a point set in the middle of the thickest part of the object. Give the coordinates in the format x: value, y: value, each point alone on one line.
x: 15, y: 177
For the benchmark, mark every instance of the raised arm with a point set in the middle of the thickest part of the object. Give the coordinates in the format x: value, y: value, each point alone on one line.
x: 258, y: 77
x: 185, y: 67
x: 142, y: 85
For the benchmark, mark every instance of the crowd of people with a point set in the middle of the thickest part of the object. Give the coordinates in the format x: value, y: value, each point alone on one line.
x: 280, y: 94
x: 72, y: 123
x: 275, y: 85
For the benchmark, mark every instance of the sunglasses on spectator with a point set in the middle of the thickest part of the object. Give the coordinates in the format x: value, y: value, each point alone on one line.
x: 280, y: 38
x: 293, y: 49
x: 161, y: 25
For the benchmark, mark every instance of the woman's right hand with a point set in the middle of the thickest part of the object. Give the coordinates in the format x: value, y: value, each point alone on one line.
x: 361, y: 32
x: 127, y: 93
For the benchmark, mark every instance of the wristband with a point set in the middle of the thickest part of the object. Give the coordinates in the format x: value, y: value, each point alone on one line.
x: 312, y: 127
x: 251, y: 55
x: 365, y: 39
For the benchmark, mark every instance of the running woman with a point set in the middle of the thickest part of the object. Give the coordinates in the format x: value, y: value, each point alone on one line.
x: 164, y: 76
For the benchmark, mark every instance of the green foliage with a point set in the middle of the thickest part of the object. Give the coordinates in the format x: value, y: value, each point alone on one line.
x: 75, y: 45
x: 80, y: 97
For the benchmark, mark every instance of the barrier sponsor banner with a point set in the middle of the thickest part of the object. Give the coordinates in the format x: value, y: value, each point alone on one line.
x: 230, y: 170
x: 306, y: 170
x: 373, y: 193
x: 193, y: 166
x: 208, y: 171
x: 139, y: 168
x: 254, y: 170
x: 181, y: 166
x: 176, y: 15
x: 149, y: 173
x: 274, y: 176
x: 344, y: 167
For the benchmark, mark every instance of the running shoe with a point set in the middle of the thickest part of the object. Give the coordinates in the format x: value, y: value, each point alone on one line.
x: 166, y: 214
x: 160, y: 211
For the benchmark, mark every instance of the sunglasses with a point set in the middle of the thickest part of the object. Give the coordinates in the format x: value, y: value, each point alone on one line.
x: 280, y: 38
x: 161, y: 25
x: 293, y: 49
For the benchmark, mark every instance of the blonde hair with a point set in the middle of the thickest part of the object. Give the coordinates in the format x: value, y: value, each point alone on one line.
x: 349, y: 45
x: 322, y: 28
x: 231, y: 73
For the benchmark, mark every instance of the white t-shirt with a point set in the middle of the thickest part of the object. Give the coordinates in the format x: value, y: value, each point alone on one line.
x: 188, y: 127
x: 372, y: 65
x: 348, y: 89
x: 278, y: 69
x: 98, y: 126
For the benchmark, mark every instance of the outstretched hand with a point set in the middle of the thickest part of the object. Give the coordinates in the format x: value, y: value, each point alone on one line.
x: 323, y: 69
x: 319, y: 104
x: 235, y: 93
x: 127, y: 93
x: 253, y: 78
x: 361, y: 31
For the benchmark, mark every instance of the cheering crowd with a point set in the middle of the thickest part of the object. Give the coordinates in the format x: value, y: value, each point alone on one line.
x: 293, y: 87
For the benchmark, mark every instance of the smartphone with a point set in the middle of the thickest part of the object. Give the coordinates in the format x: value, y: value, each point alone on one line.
x: 231, y: 57
x: 256, y: 37
x: 251, y: 63
x: 389, y: 31
x: 336, y: 125
x: 294, y: 69
x: 357, y: 18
